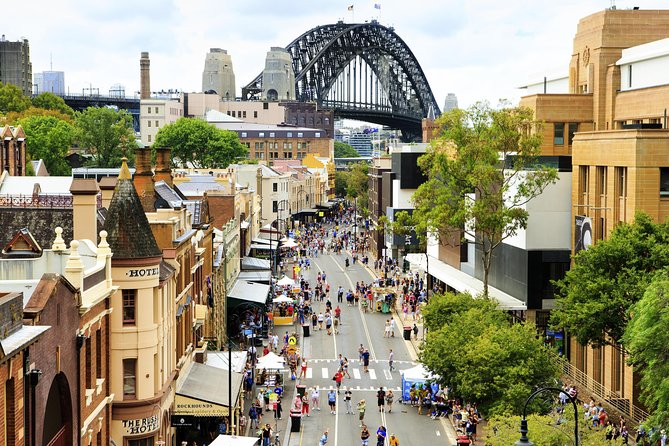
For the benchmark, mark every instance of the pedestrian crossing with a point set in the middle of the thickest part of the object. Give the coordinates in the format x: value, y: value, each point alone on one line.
x: 324, y: 369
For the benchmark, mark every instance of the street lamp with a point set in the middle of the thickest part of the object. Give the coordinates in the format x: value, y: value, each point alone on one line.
x: 524, y: 441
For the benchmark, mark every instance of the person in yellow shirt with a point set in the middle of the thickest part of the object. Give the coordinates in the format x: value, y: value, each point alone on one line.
x: 393, y: 440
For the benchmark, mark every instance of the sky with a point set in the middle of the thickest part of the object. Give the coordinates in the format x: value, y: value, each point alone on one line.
x: 477, y: 49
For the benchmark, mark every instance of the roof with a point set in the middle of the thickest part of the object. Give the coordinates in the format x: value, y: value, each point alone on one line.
x: 166, y: 270
x: 213, y: 116
x: 22, y: 338
x: 254, y: 264
x: 219, y: 360
x: 199, y: 184
x: 249, y: 291
x: 650, y: 50
x: 129, y: 233
x: 203, y: 382
x: 255, y: 276
x: 26, y: 185
x: 41, y: 222
x: 22, y: 244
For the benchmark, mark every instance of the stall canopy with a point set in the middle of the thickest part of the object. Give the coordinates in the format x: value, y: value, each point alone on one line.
x: 271, y: 361
x: 254, y: 264
x: 285, y: 281
x: 290, y: 243
x: 418, y: 375
x: 201, y: 393
x: 249, y: 292
x: 282, y: 299
x: 255, y: 276
x: 264, y: 241
x: 231, y: 440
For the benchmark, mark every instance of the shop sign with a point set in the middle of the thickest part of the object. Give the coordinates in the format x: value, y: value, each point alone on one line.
x: 184, y: 405
x: 142, y: 425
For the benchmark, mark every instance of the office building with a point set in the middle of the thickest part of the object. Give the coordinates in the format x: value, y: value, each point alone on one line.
x: 15, y: 65
x: 49, y: 82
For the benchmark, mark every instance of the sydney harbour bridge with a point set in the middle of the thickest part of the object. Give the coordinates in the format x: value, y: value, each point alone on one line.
x: 362, y: 71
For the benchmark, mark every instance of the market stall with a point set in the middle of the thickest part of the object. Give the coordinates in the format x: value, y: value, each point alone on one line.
x: 268, y: 368
x: 418, y: 377
x: 231, y: 440
x: 283, y: 312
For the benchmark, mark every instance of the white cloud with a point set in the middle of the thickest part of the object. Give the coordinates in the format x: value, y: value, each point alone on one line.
x: 479, y: 49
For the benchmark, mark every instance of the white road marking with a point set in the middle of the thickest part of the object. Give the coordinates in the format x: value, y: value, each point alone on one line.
x: 309, y: 373
x: 372, y: 374
x: 324, y: 372
x: 387, y: 374
x: 356, y: 374
x: 438, y: 434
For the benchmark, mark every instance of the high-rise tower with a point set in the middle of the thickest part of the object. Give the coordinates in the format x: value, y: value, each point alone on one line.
x: 218, y: 75
x: 15, y: 65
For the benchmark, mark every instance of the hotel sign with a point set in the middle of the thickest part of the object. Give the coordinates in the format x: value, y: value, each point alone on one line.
x: 142, y: 425
x: 143, y: 272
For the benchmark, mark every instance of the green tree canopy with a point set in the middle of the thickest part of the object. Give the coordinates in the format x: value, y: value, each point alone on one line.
x: 543, y: 430
x: 343, y: 150
x: 481, y: 171
x: 200, y: 144
x: 106, y: 134
x: 12, y: 99
x: 49, y: 139
x: 647, y: 341
x: 594, y: 298
x: 482, y: 357
x: 14, y: 117
x: 50, y: 101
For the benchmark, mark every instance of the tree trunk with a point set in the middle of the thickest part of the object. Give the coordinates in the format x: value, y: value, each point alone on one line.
x: 487, y: 255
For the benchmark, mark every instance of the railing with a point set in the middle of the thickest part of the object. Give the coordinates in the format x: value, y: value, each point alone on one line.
x: 622, y: 405
x: 49, y: 201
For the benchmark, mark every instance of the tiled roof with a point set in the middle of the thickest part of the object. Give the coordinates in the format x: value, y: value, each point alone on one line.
x: 40, y: 222
x: 129, y: 233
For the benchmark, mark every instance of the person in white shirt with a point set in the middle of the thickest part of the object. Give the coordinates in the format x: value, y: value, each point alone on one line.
x: 391, y: 359
x: 392, y: 328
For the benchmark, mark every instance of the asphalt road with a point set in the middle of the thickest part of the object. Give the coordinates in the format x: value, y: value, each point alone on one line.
x: 321, y: 352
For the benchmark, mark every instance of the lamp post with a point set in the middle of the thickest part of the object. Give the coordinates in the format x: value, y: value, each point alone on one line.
x: 524, y: 441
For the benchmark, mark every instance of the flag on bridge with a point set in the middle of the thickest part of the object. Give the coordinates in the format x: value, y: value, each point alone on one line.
x: 350, y: 8
x: 377, y: 5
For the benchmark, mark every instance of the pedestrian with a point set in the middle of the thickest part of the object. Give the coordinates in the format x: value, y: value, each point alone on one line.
x: 346, y: 368
x: 253, y: 416
x: 390, y: 397
x: 278, y: 409
x: 381, y: 399
x: 361, y: 412
x: 391, y: 359
x: 392, y: 327
x: 303, y: 369
x: 393, y: 441
x: 266, y: 434
x: 324, y: 439
x: 332, y: 401
x: 347, y: 400
x: 361, y: 350
x: 320, y: 321
x: 328, y: 323
x: 365, y: 360
x: 338, y: 377
x: 315, y: 396
x: 415, y: 331
x: 305, y: 405
x: 386, y: 329
x: 364, y: 435
x: 380, y: 435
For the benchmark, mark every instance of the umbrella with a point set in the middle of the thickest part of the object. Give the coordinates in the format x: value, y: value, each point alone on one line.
x: 290, y: 243
x: 282, y: 298
x: 286, y: 281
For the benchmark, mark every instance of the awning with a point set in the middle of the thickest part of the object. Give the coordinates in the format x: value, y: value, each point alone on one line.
x: 254, y: 264
x: 255, y: 276
x: 231, y: 440
x: 261, y: 247
x: 308, y: 211
x: 202, y: 393
x: 463, y: 282
x: 249, y: 291
x: 264, y: 241
x: 220, y: 360
x: 326, y: 205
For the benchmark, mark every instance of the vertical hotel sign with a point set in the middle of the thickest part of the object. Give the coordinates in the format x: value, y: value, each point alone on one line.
x: 582, y: 233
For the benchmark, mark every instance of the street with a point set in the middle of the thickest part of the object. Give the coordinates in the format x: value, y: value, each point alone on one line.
x: 322, y: 350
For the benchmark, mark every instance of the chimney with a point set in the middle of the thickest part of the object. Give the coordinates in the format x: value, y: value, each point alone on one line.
x: 85, y: 209
x: 143, y: 179
x: 163, y: 168
x: 145, y: 76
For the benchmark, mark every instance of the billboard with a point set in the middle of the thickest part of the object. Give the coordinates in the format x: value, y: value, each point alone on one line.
x: 582, y: 233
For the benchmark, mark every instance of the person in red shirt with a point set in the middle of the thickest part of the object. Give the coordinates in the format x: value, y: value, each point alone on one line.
x: 338, y: 377
x: 338, y: 312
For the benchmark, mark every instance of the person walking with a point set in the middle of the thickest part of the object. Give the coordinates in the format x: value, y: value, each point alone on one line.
x: 345, y: 367
x: 392, y: 327
x: 361, y: 350
x: 266, y: 434
x: 380, y: 435
x: 386, y: 329
x: 362, y: 406
x: 364, y: 435
x: 390, y: 397
x: 332, y: 401
x: 303, y: 369
x: 347, y: 400
x: 393, y: 441
x: 305, y: 405
x: 315, y: 396
x: 365, y: 361
x: 381, y: 399
x: 391, y: 359
x: 338, y: 377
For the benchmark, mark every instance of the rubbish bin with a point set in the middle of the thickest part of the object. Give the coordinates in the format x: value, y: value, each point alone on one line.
x: 379, y: 305
x: 301, y: 389
x: 305, y: 330
x: 295, y: 420
x: 407, y: 333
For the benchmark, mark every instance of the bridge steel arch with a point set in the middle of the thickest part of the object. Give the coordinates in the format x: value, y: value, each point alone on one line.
x: 322, y: 54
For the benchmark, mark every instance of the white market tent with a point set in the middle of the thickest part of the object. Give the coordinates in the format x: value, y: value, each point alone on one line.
x: 231, y: 440
x: 290, y: 243
x: 285, y: 281
x: 283, y: 298
x: 271, y: 361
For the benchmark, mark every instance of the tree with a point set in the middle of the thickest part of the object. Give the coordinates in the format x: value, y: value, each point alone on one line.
x: 50, y: 101
x: 343, y: 150
x: 15, y: 117
x: 106, y: 134
x: 200, y: 144
x: 595, y: 296
x: 647, y: 341
x: 544, y: 430
x: 482, y: 357
x: 12, y: 99
x: 358, y: 184
x: 49, y: 139
x: 482, y: 170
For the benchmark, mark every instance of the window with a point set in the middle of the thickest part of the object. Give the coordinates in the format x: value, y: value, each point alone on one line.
x: 98, y: 353
x: 149, y: 137
x: 157, y: 124
x: 289, y: 134
x: 583, y: 185
x: 275, y: 206
x: 272, y: 134
x: 265, y: 106
x: 275, y: 187
x: 664, y: 181
x: 129, y: 297
x: 318, y: 134
x: 244, y: 114
x: 148, y: 110
x: 629, y: 76
x: 129, y: 378
x: 149, y: 123
x: 558, y: 133
x: 300, y: 135
x: 573, y: 128
x: 261, y: 135
x: 89, y: 363
x: 10, y: 413
x: 255, y: 114
x: 244, y: 134
x: 156, y: 109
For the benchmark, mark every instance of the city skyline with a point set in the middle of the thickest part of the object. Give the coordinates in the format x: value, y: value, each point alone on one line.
x: 534, y: 39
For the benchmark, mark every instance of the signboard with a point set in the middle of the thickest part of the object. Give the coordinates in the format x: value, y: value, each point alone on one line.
x: 582, y: 233
x: 141, y: 425
x: 292, y: 340
x: 184, y: 405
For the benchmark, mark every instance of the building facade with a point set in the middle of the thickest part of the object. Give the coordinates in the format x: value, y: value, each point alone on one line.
x: 218, y: 75
x: 50, y: 82
x: 15, y: 65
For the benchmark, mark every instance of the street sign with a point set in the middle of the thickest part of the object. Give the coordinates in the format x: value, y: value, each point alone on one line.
x: 292, y: 340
